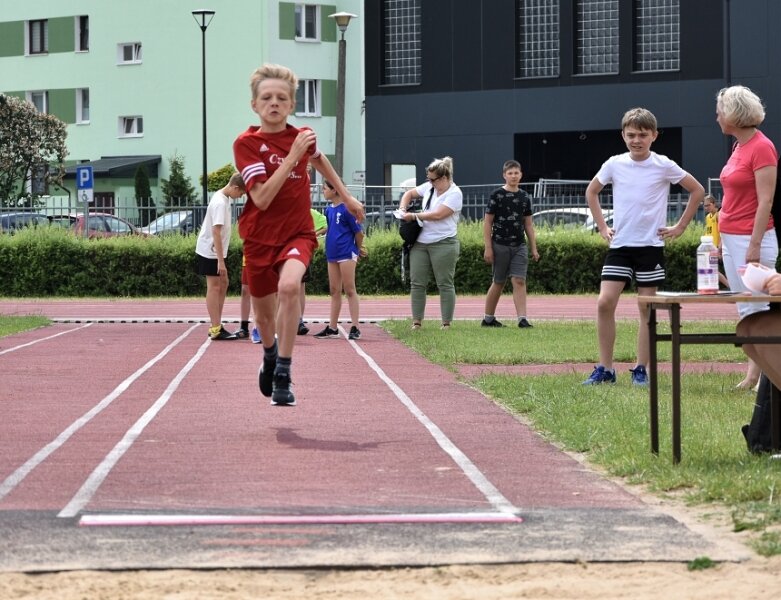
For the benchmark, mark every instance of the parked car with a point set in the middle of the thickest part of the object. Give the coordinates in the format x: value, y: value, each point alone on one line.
x: 176, y: 222
x: 379, y: 218
x: 100, y: 224
x: 575, y: 217
x: 10, y: 222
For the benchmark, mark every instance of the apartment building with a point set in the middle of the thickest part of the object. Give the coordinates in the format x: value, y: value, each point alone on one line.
x: 547, y: 81
x: 126, y: 77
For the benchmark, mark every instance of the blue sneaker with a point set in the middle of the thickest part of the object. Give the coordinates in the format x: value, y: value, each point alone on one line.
x: 639, y: 375
x: 601, y: 375
x: 255, y: 336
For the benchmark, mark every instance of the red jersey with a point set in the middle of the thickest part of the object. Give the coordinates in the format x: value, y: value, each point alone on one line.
x: 739, y: 205
x: 257, y: 155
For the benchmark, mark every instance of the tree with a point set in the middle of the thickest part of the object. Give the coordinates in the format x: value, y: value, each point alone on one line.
x: 178, y: 189
x: 216, y: 180
x: 144, y: 200
x: 30, y: 143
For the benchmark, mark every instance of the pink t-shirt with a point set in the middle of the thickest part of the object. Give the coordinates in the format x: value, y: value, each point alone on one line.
x: 739, y: 205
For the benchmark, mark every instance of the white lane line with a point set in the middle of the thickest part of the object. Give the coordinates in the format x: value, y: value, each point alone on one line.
x: 17, y: 476
x: 43, y: 339
x: 167, y: 520
x: 94, y: 481
x: 480, y: 481
x: 180, y: 319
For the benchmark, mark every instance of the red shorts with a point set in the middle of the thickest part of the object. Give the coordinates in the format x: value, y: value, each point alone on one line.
x: 244, y: 270
x: 264, y: 262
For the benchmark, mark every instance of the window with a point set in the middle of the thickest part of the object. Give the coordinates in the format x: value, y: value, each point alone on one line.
x: 82, y: 105
x: 401, y: 42
x: 38, y: 37
x: 657, y: 35
x: 538, y: 38
x: 39, y: 99
x: 129, y: 54
x: 82, y: 33
x: 131, y: 126
x: 308, y: 22
x: 117, y: 226
x: 596, y: 47
x: 308, y: 98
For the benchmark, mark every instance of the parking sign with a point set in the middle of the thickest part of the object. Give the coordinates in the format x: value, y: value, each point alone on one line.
x: 84, y: 184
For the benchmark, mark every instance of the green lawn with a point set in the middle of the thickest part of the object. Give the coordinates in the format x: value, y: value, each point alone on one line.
x: 9, y: 325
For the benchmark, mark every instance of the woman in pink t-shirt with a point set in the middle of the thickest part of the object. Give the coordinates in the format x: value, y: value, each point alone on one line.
x: 749, y: 182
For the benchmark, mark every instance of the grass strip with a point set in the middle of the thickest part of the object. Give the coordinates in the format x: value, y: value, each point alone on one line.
x: 13, y: 324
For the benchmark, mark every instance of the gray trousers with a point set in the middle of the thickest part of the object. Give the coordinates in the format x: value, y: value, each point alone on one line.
x: 440, y: 259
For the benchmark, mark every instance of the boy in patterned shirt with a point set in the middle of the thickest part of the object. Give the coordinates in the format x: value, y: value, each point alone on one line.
x: 507, y: 216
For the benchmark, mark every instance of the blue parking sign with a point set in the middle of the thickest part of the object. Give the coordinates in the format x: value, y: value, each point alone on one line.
x: 84, y: 178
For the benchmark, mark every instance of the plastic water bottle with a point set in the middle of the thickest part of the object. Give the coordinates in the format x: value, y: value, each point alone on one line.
x: 707, y: 266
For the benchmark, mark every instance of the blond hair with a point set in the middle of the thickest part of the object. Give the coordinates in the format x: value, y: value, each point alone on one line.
x: 271, y: 71
x: 740, y: 106
x: 441, y: 167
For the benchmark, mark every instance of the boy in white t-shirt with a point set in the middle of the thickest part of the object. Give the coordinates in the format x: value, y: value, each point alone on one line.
x: 641, y: 182
x: 211, y: 249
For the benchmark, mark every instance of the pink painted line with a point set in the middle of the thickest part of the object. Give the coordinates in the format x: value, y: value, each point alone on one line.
x: 163, y: 520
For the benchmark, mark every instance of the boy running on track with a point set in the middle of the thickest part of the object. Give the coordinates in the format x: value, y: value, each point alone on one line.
x: 276, y: 225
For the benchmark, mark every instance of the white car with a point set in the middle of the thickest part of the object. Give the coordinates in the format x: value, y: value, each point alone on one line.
x: 178, y: 221
x: 575, y: 217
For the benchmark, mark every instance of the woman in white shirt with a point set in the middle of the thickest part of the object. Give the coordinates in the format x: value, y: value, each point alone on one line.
x: 437, y: 248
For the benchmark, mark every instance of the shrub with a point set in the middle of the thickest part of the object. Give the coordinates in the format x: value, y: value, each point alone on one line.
x: 54, y: 262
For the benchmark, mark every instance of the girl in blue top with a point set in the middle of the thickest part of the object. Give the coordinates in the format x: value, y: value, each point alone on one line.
x: 343, y: 247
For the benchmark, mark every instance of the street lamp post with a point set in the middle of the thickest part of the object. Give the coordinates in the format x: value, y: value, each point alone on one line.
x: 203, y: 18
x: 342, y: 21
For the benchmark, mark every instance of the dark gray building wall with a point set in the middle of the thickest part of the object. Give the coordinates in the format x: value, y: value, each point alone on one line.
x: 470, y: 106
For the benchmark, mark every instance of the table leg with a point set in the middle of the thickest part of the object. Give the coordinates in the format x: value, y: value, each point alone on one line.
x: 775, y: 418
x: 675, y: 326
x: 653, y: 384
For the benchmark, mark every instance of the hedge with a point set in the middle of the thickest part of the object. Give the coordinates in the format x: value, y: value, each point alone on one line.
x: 53, y: 262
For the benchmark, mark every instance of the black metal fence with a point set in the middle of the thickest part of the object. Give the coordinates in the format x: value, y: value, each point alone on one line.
x: 380, y: 203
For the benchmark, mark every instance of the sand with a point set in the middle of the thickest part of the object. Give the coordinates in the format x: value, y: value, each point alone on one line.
x: 757, y: 578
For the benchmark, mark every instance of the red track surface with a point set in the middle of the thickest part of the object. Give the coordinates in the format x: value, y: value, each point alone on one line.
x: 317, y: 309
x: 214, y: 444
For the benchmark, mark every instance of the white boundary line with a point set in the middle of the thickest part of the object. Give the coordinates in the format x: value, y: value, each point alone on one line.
x: 43, y: 339
x: 480, y: 481
x: 96, y: 478
x: 19, y: 474
x: 126, y: 520
x: 201, y: 320
x: 506, y: 512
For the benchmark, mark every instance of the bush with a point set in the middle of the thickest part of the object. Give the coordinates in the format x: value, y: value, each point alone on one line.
x: 54, y: 262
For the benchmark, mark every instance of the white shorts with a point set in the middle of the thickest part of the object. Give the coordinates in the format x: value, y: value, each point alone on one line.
x: 733, y: 253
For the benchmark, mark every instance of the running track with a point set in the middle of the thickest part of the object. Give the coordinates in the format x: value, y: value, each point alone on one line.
x: 121, y: 441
